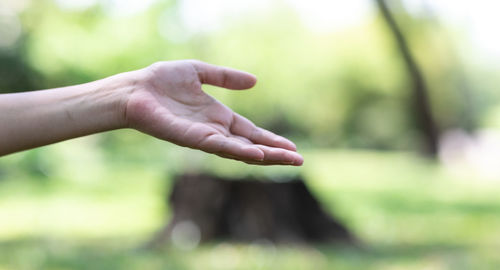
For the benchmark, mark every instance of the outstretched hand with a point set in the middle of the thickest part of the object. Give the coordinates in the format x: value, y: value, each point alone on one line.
x: 164, y: 100
x: 171, y: 105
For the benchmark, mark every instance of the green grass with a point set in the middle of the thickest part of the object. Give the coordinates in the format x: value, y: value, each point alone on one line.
x: 407, y: 212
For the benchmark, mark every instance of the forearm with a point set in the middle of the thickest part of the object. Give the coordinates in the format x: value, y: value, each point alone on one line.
x: 38, y: 118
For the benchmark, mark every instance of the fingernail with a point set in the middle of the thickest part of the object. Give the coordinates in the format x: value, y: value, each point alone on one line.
x: 299, y: 162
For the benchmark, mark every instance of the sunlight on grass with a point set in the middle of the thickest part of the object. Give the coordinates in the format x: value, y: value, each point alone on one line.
x: 407, y: 212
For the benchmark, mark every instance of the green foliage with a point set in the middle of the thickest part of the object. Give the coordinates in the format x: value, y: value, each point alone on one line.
x: 344, y: 88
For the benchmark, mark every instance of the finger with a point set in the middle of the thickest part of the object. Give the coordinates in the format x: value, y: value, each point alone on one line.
x: 280, y: 156
x: 222, y: 145
x: 269, y: 161
x: 253, y: 162
x: 245, y: 128
x: 223, y: 76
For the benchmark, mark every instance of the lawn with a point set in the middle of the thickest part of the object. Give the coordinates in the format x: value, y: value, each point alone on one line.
x: 407, y: 212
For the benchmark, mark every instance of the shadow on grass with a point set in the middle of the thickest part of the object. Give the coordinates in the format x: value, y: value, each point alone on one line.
x: 103, y: 254
x: 113, y: 254
x: 414, y: 256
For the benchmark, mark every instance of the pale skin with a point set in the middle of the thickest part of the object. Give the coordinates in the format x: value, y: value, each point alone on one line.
x: 164, y: 100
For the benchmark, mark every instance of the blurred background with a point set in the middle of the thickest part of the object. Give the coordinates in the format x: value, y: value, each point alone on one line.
x: 394, y: 105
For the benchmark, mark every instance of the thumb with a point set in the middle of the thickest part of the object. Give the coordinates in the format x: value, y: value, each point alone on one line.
x: 223, y: 76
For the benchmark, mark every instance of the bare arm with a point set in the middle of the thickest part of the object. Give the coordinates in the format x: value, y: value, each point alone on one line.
x: 164, y: 100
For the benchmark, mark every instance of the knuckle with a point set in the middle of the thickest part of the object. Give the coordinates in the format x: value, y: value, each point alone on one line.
x: 194, y: 61
x: 224, y: 76
x: 255, y: 134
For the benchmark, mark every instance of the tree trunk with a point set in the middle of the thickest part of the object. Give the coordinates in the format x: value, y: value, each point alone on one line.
x: 207, y: 208
x: 423, y: 113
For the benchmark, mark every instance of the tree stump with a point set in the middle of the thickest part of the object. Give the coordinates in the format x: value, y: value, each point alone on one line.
x: 207, y: 208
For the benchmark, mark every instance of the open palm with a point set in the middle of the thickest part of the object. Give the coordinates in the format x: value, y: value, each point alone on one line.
x: 172, y: 106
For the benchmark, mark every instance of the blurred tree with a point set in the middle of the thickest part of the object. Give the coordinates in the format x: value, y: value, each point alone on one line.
x: 466, y: 115
x: 422, y: 109
x: 248, y: 210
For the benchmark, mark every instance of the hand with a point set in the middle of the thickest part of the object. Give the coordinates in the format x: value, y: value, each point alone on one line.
x: 171, y: 105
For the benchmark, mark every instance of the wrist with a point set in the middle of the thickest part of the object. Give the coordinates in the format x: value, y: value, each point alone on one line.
x: 117, y: 91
